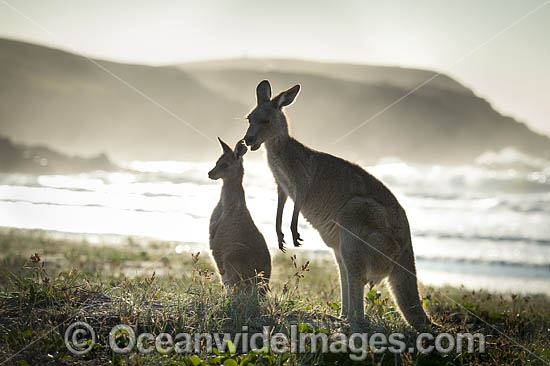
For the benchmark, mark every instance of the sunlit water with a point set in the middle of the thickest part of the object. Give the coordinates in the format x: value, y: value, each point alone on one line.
x: 486, y: 225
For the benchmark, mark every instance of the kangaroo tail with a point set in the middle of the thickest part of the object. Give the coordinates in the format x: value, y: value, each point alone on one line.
x: 404, y: 289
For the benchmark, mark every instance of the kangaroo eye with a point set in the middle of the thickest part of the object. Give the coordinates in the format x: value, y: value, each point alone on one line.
x: 223, y: 165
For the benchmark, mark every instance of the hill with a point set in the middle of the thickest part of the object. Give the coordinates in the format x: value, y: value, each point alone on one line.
x: 64, y: 101
x: 443, y: 122
x: 404, y: 78
x: 19, y: 158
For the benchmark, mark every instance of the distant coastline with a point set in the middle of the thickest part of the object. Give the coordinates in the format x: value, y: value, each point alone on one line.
x: 59, y: 99
x: 26, y: 159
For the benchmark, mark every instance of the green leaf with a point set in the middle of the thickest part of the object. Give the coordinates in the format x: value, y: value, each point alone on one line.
x: 304, y: 328
x: 216, y: 360
x: 285, y: 357
x: 231, y: 347
x: 195, y: 361
x: 371, y: 295
x: 230, y: 362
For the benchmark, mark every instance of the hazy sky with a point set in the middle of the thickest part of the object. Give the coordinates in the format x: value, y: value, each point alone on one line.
x: 511, y: 71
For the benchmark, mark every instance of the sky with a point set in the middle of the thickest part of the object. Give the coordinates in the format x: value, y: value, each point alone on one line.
x: 489, y: 46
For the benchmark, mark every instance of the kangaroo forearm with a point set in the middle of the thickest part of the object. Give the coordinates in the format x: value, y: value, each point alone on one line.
x: 279, y: 220
x: 295, y: 214
x: 294, y: 223
x: 282, y: 197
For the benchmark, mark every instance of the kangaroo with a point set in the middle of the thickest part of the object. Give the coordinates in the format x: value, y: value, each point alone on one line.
x: 238, y: 247
x: 355, y: 214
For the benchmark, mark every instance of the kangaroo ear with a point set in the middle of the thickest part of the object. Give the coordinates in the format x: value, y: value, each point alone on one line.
x: 225, y: 146
x: 240, y: 149
x: 263, y: 92
x: 287, y: 97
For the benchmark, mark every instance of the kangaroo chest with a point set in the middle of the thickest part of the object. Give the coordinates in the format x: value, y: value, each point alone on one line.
x: 296, y: 178
x: 284, y: 178
x: 226, y: 223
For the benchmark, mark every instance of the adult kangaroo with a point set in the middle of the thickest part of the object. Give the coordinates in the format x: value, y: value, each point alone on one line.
x: 238, y: 247
x: 356, y: 214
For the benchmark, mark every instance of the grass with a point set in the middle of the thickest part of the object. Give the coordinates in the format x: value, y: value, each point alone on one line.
x: 47, y: 283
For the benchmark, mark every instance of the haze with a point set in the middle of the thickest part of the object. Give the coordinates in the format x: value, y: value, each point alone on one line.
x: 510, y: 71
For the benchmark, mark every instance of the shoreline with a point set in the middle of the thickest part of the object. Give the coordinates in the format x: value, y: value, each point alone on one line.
x: 485, y: 276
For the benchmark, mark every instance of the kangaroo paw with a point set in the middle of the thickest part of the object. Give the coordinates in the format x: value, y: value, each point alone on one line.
x: 297, y: 239
x: 282, y: 243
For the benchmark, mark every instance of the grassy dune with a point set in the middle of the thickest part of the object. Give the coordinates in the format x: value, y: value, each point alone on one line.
x: 48, y: 283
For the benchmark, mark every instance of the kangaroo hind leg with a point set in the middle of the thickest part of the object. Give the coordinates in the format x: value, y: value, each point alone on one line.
x: 366, y: 247
x: 343, y: 284
x: 356, y: 270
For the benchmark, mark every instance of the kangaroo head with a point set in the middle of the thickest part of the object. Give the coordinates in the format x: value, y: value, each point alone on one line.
x: 230, y: 164
x: 267, y: 119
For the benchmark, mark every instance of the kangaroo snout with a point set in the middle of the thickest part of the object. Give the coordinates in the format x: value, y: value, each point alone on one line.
x: 249, y: 140
x: 252, y: 141
x: 211, y: 174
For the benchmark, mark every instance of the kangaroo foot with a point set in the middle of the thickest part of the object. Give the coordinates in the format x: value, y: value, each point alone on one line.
x: 296, y: 238
x: 282, y: 243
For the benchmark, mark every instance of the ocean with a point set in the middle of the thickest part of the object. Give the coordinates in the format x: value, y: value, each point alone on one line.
x: 483, y: 225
